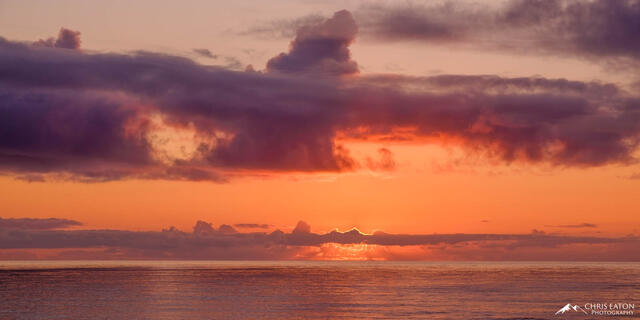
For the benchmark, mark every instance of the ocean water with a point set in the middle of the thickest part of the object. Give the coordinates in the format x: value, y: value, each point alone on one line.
x: 310, y: 290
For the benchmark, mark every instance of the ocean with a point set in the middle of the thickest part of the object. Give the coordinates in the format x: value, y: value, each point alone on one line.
x: 314, y: 290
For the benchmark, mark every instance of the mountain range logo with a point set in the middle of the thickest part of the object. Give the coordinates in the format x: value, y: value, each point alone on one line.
x: 570, y: 307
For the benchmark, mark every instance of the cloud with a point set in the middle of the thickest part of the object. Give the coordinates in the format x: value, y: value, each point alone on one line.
x: 205, y: 53
x: 94, y: 117
x: 302, y: 228
x: 67, y: 39
x: 63, y: 130
x: 513, y: 120
x: 225, y: 228
x: 49, y: 118
x: 590, y: 29
x: 283, y: 28
x: 581, y: 225
x: 208, y: 242
x: 203, y: 228
x: 320, y: 49
x: 36, y: 224
x: 231, y: 63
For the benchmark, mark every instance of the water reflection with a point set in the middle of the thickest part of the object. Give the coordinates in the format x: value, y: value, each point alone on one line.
x: 311, y: 290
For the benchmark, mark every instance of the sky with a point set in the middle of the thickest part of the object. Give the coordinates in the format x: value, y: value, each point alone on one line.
x: 440, y: 130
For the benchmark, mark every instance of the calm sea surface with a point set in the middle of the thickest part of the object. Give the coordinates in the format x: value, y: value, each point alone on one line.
x: 309, y: 290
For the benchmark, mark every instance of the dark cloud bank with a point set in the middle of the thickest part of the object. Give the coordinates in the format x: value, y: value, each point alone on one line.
x: 71, y: 114
x: 225, y: 242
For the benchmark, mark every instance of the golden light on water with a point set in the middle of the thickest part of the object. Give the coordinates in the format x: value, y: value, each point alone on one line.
x: 348, y: 252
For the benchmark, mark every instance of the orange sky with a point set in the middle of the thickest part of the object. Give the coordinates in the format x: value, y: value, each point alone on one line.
x: 423, y: 195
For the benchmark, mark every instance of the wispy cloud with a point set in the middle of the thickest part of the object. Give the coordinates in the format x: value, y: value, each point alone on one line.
x: 580, y: 225
x: 282, y: 28
x: 36, y: 224
x: 205, y: 53
x: 580, y: 29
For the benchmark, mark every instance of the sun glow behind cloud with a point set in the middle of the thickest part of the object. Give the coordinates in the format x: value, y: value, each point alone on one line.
x: 342, y: 252
x: 61, y: 239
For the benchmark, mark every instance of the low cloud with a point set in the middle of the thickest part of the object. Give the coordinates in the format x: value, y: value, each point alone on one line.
x: 36, y: 224
x: 209, y: 242
x: 581, y: 225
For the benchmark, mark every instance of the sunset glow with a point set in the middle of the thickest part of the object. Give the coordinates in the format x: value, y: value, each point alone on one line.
x: 305, y: 159
x: 466, y: 131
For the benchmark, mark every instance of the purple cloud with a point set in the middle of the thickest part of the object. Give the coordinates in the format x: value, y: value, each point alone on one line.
x: 89, y: 117
x: 57, y: 131
x: 67, y: 39
x: 580, y: 28
x: 320, y: 49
